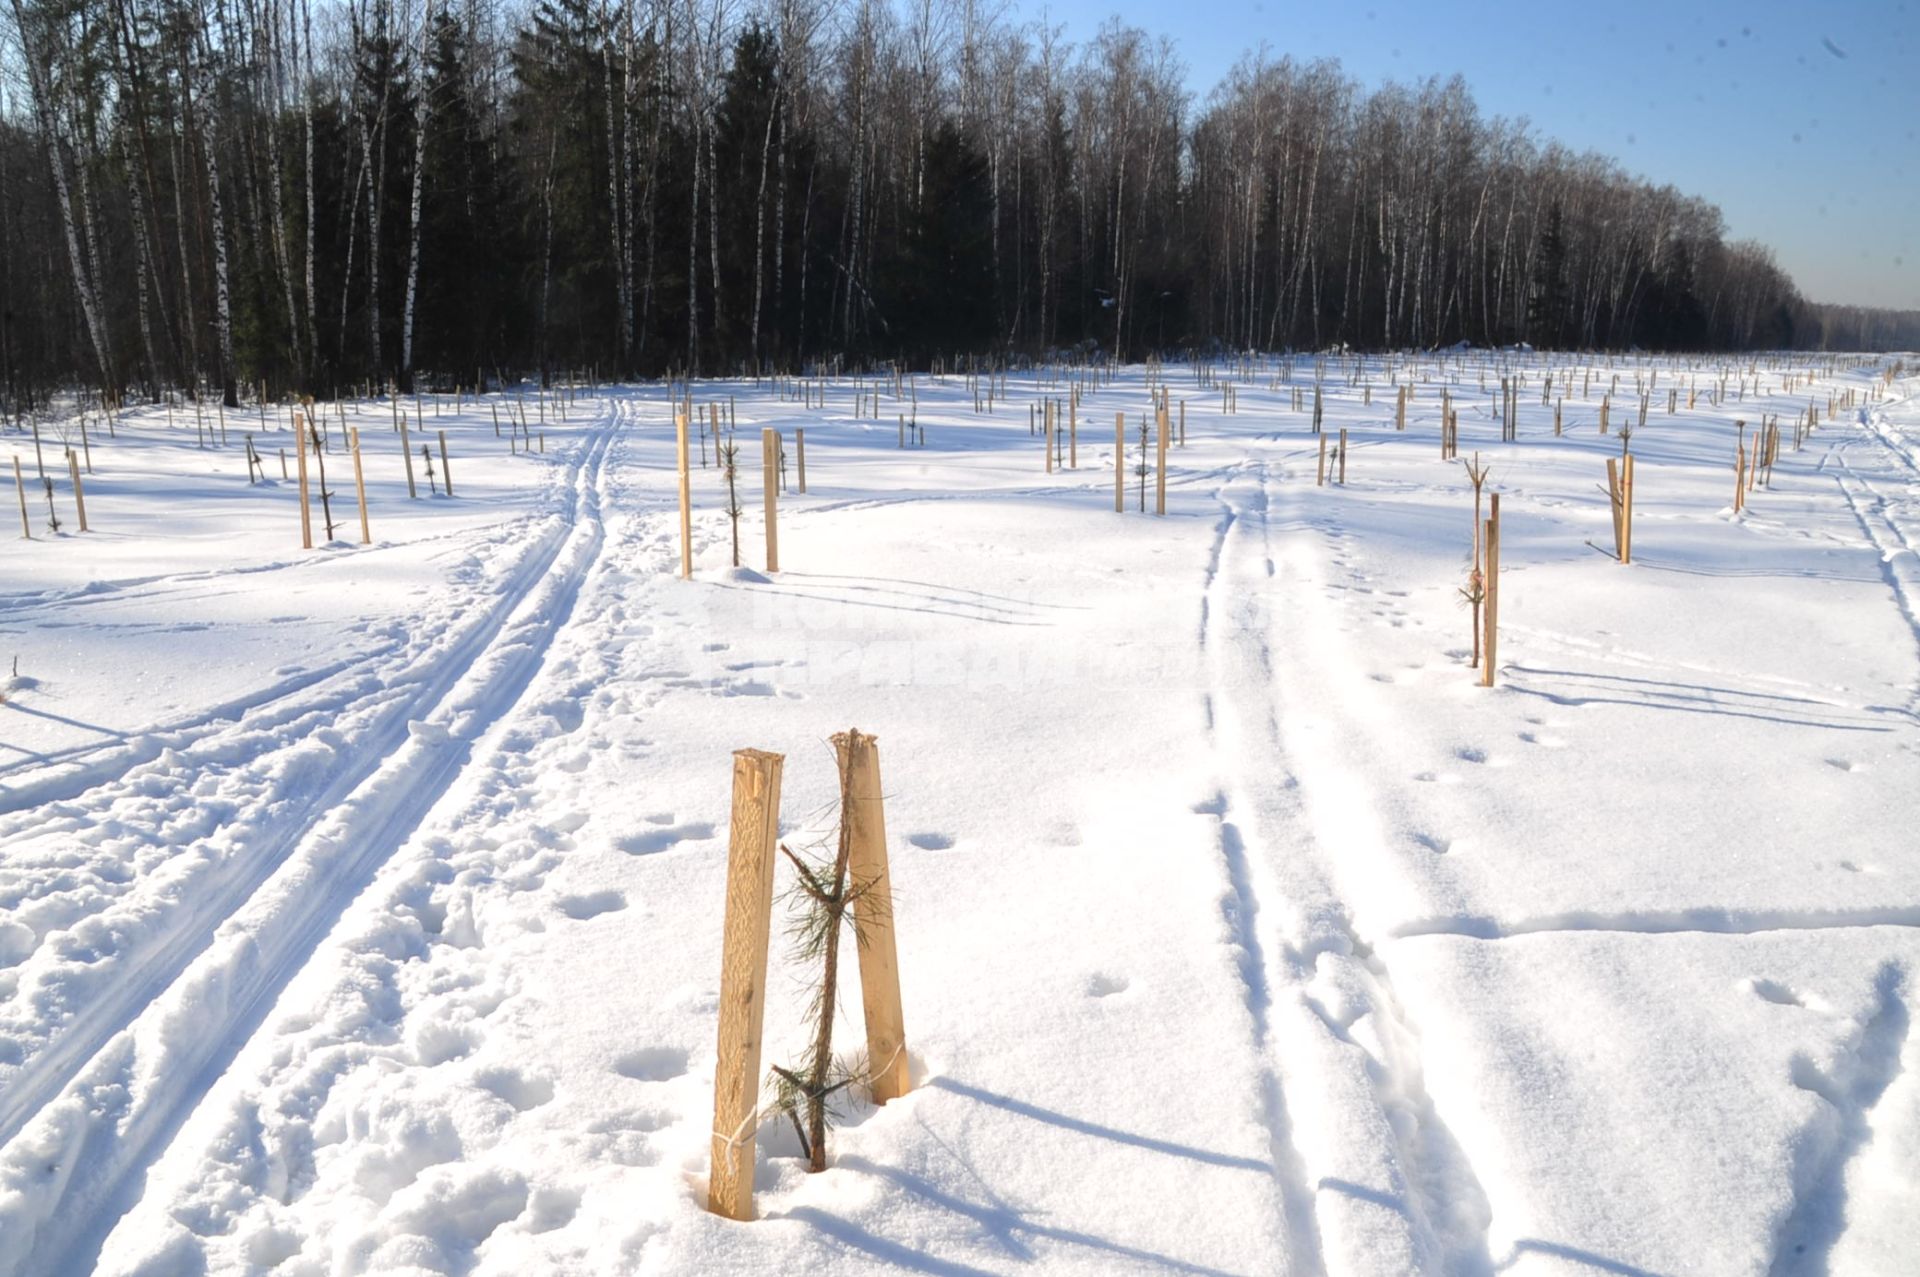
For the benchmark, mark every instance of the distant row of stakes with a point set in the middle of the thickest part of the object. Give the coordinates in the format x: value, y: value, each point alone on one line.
x: 309, y: 426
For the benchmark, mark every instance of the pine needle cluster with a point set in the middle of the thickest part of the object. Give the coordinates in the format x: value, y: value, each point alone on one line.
x: 821, y: 904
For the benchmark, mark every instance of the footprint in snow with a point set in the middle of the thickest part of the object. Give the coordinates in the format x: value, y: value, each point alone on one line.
x: 566, y: 714
x: 1543, y: 739
x: 1841, y: 764
x: 658, y: 840
x: 521, y: 1090
x: 441, y: 1041
x: 652, y: 1064
x: 551, y: 1207
x: 931, y: 842
x: 1104, y: 985
x: 591, y: 905
x: 1775, y: 992
x: 751, y: 687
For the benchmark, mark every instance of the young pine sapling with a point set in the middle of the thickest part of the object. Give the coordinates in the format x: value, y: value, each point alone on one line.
x: 823, y: 900
x: 728, y: 454
x: 1475, y: 592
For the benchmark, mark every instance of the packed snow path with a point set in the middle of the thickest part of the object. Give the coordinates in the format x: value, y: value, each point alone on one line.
x: 359, y: 910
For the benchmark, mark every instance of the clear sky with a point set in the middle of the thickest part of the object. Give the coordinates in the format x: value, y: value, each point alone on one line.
x: 1801, y: 121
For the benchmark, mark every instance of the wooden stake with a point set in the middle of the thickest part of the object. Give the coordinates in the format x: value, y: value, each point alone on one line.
x: 1160, y: 467
x: 20, y: 485
x: 407, y: 456
x: 686, y: 497
x: 306, y: 515
x: 743, y: 977
x: 1492, y: 587
x: 1119, y: 462
x: 873, y: 917
x: 360, y: 488
x: 800, y: 456
x: 1320, y: 475
x: 769, y: 464
x: 1626, y: 521
x: 1343, y: 456
x: 446, y: 467
x: 1615, y: 504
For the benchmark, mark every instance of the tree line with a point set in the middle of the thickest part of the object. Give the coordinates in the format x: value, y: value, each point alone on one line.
x: 233, y: 192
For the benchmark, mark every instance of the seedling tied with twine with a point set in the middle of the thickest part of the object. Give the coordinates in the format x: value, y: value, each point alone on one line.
x: 846, y: 886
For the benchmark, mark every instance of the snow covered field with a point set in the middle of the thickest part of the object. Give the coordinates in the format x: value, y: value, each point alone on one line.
x: 360, y: 907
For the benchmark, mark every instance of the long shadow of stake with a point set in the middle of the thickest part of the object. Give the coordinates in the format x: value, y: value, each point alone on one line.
x: 1004, y: 1222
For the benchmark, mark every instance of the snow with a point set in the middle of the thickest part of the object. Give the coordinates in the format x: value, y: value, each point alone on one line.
x: 360, y: 907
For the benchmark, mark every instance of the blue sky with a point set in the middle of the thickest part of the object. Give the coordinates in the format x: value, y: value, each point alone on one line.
x: 1802, y: 122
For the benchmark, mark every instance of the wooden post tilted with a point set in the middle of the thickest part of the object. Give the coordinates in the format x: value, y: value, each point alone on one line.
x: 405, y: 455
x: 20, y: 485
x: 79, y: 497
x: 360, y: 489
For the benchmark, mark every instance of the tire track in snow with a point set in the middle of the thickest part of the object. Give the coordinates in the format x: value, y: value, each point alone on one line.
x: 70, y: 1172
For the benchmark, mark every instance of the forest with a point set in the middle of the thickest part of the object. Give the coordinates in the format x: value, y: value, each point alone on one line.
x: 280, y: 197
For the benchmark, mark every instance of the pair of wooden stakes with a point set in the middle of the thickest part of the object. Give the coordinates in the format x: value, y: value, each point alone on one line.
x: 771, y: 467
x: 752, y: 844
x: 1163, y: 435
x: 79, y: 494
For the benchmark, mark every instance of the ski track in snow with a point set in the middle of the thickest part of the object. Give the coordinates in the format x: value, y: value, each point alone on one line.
x: 100, y: 1100
x: 1409, y: 1199
x: 1880, y: 519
